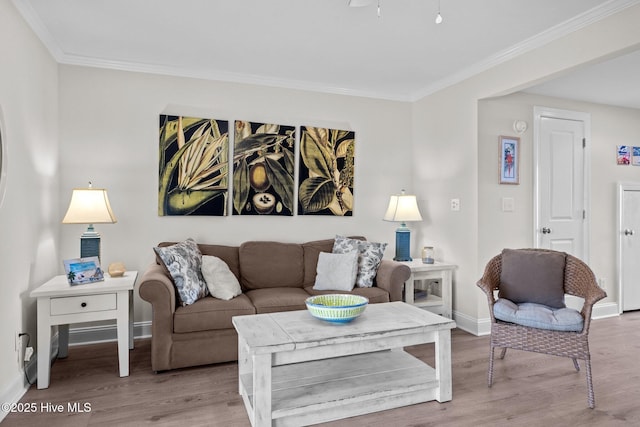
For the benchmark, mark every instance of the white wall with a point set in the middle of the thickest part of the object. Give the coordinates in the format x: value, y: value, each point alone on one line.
x: 109, y: 134
x: 29, y: 212
x: 610, y: 126
x: 446, y: 146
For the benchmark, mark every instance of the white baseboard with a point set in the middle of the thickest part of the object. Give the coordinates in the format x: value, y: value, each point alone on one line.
x: 105, y: 333
x: 20, y: 385
x: 607, y: 309
x: 77, y: 336
x: 471, y: 324
x: 17, y: 387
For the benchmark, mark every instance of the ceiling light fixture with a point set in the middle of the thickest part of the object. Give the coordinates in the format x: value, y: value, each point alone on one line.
x: 438, y: 16
x: 359, y: 3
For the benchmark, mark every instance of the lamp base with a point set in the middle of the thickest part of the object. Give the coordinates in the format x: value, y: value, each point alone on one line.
x: 403, y: 248
x: 90, y: 244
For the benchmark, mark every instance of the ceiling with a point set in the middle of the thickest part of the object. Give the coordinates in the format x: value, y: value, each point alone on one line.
x: 319, y: 45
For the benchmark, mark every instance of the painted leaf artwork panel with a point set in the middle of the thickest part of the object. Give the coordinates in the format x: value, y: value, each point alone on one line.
x: 326, y: 171
x: 263, y: 169
x: 193, y: 166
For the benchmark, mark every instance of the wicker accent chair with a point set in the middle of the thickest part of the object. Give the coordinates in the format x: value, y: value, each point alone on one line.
x: 579, y: 281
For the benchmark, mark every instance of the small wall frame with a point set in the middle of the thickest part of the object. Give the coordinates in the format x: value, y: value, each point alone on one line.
x: 509, y: 151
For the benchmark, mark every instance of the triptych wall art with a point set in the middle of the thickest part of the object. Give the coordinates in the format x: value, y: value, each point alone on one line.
x: 197, y: 171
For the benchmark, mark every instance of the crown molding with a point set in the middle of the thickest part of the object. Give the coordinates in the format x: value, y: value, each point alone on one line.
x: 34, y: 21
x: 229, y: 77
x: 587, y: 18
x: 564, y: 28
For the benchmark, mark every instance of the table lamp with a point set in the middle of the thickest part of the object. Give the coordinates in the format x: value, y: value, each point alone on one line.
x: 89, y: 206
x: 403, y: 208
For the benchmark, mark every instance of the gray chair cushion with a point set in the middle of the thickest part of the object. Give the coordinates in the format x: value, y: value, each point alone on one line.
x: 538, y: 316
x: 533, y: 276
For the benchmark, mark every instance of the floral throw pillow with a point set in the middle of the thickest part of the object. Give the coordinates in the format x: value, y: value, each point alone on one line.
x: 183, y: 261
x: 369, y: 257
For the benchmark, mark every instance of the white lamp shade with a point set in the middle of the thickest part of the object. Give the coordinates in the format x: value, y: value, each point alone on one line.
x: 403, y: 208
x: 89, y: 206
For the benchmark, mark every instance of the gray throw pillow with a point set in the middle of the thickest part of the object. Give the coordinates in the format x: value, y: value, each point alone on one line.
x: 533, y: 276
x: 336, y: 271
x: 183, y: 261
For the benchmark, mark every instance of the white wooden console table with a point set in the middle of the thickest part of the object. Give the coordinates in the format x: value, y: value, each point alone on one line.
x: 297, y: 370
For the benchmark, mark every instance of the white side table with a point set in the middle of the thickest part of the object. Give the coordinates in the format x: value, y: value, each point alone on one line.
x: 62, y: 304
x: 439, y: 270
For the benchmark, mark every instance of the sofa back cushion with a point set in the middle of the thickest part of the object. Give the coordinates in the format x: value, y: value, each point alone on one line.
x: 271, y: 265
x: 228, y: 254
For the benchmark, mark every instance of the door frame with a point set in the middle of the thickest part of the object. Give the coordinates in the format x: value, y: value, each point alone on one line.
x: 555, y: 113
x: 622, y: 187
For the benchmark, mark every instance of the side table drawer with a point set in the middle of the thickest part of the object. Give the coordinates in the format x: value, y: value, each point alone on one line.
x: 83, y: 304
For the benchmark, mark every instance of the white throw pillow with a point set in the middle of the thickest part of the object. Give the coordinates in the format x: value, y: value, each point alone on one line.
x: 336, y: 271
x: 222, y: 283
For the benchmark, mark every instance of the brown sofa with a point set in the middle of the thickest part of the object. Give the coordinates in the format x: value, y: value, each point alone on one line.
x: 274, y: 277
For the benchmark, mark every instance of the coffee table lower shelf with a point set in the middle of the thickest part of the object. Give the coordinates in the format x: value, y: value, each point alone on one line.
x: 330, y: 389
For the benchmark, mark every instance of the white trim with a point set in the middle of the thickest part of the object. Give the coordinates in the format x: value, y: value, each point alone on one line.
x: 38, y: 27
x: 538, y: 114
x: 580, y: 21
x: 470, y: 324
x: 105, y: 333
x: 622, y: 187
x: 17, y: 387
x: 554, y: 33
x: 3, y: 157
x: 605, y: 309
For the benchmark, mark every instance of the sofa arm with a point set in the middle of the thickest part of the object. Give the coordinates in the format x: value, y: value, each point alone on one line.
x: 157, y: 288
x: 391, y: 277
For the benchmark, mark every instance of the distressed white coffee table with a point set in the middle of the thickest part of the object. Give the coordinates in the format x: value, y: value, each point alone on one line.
x: 297, y: 370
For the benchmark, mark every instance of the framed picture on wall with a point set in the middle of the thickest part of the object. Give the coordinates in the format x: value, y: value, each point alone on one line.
x: 509, y: 160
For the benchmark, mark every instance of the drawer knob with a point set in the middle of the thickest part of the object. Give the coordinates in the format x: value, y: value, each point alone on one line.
x: 83, y: 305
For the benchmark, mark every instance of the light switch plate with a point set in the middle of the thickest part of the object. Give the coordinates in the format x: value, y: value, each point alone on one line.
x: 508, y: 204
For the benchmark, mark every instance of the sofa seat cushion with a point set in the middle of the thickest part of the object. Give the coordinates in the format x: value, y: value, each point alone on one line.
x: 373, y: 294
x: 538, y: 316
x: 210, y: 313
x: 271, y: 300
x: 271, y: 265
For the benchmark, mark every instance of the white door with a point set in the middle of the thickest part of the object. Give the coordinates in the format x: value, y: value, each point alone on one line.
x: 561, y: 217
x: 629, y: 244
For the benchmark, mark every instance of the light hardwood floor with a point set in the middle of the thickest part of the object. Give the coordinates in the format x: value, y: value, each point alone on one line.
x: 529, y: 389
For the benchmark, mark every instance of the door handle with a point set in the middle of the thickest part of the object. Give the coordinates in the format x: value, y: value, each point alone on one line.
x: 546, y: 230
x: 628, y: 232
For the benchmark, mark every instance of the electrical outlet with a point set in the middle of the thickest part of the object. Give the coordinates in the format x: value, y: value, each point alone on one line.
x: 455, y: 204
x: 18, y: 350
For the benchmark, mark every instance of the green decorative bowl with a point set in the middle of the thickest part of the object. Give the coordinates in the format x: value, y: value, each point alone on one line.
x: 336, y: 308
